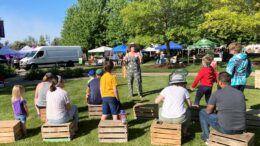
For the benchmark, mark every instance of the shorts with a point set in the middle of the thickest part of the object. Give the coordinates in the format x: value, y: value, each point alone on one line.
x: 21, y: 118
x: 110, y: 106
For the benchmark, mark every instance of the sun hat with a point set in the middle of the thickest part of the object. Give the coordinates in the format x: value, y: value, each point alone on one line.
x: 177, y: 78
x: 91, y: 73
x: 99, y: 72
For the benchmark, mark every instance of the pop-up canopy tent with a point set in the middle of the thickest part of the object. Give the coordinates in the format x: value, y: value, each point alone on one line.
x: 120, y: 48
x: 101, y: 49
x: 151, y: 48
x: 8, y: 52
x: 205, y: 43
x: 173, y: 46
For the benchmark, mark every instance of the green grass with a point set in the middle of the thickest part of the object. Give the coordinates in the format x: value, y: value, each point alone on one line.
x: 87, y: 135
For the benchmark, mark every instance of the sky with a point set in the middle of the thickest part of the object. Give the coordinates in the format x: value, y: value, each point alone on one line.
x: 23, y: 18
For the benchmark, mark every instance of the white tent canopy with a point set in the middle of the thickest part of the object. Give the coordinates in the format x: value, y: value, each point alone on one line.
x: 26, y: 49
x: 151, y: 49
x: 100, y: 49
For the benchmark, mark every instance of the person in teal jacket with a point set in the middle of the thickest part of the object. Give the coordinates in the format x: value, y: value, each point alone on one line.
x: 239, y: 67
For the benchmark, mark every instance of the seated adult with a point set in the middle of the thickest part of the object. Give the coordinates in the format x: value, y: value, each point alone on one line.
x: 93, y: 91
x: 231, y: 107
x: 59, y: 109
x: 41, y: 91
x: 173, y: 97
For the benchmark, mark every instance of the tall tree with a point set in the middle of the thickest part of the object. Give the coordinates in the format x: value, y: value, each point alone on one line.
x: 162, y: 20
x: 85, y: 24
x: 30, y: 41
x: 56, y: 42
x: 17, y: 45
x: 42, y: 41
x: 116, y: 32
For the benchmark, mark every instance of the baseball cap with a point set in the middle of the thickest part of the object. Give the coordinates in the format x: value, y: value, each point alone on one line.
x: 91, y: 73
x: 99, y: 72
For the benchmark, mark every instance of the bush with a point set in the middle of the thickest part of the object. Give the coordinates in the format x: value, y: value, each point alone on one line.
x: 35, y: 74
x: 6, y: 71
x: 78, y: 72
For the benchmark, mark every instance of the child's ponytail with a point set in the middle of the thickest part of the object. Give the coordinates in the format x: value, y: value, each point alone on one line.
x: 54, y: 81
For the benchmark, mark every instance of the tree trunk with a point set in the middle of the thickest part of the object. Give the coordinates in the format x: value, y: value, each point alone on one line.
x: 168, y: 53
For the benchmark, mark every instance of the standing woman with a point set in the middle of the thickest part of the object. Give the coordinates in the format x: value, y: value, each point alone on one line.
x: 41, y: 91
x: 133, y: 60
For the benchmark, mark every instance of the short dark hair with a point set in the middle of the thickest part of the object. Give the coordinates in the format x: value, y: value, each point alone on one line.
x: 109, y: 65
x: 224, y: 77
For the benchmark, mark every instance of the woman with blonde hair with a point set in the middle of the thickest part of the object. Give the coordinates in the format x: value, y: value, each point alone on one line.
x: 19, y: 105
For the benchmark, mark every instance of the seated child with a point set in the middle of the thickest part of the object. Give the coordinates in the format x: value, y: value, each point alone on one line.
x: 93, y: 91
x: 173, y: 98
x: 19, y: 105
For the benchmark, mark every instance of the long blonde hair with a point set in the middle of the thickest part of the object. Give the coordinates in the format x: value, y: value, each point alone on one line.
x: 17, y: 92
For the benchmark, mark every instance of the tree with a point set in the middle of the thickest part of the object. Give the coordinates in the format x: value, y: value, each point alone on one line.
x: 85, y: 24
x: 42, y: 41
x: 116, y: 32
x: 163, y: 20
x: 31, y: 41
x: 232, y: 20
x: 17, y: 45
x: 56, y: 42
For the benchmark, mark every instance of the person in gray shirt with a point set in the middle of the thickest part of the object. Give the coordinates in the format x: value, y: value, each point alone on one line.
x: 230, y: 106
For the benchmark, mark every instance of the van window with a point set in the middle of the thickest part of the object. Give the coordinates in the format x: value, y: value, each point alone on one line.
x: 40, y: 54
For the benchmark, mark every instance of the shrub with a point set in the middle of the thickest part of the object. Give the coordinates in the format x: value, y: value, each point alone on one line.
x: 6, y: 71
x: 78, y: 72
x: 35, y: 74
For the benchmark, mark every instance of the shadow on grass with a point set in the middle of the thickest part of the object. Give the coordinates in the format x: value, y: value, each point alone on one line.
x: 152, y: 92
x: 193, y: 129
x: 256, y: 131
x: 257, y: 106
x: 86, y: 126
x: 8, y: 90
x: 32, y: 132
x: 250, y: 87
x: 82, y: 109
x: 137, y: 132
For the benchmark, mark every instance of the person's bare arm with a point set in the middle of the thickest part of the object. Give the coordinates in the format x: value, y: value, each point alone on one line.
x: 36, y: 94
x: 140, y: 58
x: 188, y: 103
x: 210, y: 108
x: 116, y: 92
x: 26, y: 109
x: 159, y: 99
x: 87, y: 92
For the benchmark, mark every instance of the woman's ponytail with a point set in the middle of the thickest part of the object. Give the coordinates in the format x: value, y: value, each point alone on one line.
x: 54, y: 81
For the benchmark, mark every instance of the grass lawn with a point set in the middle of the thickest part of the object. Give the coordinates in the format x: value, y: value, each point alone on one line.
x: 138, y: 129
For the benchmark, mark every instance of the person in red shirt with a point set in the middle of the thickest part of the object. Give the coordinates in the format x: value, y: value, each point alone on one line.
x: 206, y: 78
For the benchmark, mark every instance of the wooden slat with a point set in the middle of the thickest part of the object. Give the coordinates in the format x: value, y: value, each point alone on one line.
x: 7, y: 129
x: 111, y: 123
x: 165, y: 125
x: 8, y: 123
x: 114, y: 129
x: 95, y: 113
x: 7, y: 134
x: 165, y: 141
x: 7, y: 139
x: 245, y: 137
x: 57, y: 125
x: 226, y: 141
x: 253, y: 123
x: 166, y: 136
x: 56, y: 129
x: 164, y: 131
x: 113, y: 140
x: 56, y: 135
x: 92, y: 105
x: 253, y: 117
x: 212, y: 143
x: 112, y: 135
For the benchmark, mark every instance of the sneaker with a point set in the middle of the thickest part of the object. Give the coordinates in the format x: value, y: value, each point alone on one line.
x: 207, y: 142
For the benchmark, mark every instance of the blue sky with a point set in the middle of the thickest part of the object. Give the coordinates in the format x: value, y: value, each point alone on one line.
x: 23, y: 18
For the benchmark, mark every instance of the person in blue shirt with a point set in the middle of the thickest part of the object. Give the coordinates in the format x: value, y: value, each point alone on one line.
x: 93, y: 91
x: 239, y: 67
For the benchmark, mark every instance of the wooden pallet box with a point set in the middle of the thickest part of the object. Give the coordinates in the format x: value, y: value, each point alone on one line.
x: 43, y: 114
x: 57, y: 132
x: 165, y: 134
x: 219, y: 139
x: 110, y: 131
x: 253, y: 118
x: 10, y: 131
x: 146, y: 111
x: 257, y: 79
x: 94, y: 111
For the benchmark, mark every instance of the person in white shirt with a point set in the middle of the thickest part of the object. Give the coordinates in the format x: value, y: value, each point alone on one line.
x: 173, y: 98
x: 59, y: 109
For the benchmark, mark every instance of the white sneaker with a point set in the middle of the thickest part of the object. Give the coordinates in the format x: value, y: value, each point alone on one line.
x: 207, y: 142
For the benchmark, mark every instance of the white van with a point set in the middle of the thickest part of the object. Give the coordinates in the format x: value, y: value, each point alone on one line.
x: 49, y: 56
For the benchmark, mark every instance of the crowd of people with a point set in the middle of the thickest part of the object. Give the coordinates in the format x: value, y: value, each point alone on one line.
x: 225, y: 109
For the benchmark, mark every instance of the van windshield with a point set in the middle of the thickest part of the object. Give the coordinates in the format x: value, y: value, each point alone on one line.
x: 31, y: 54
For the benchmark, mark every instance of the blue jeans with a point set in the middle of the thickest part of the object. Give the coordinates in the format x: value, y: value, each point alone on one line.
x: 200, y: 92
x: 207, y: 120
x: 21, y: 118
x: 72, y: 114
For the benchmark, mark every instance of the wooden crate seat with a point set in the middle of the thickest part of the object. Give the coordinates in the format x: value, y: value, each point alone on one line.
x: 165, y: 134
x: 253, y: 118
x: 10, y: 131
x: 146, y: 111
x: 94, y: 111
x: 57, y: 132
x: 219, y: 139
x: 110, y: 131
x: 257, y: 79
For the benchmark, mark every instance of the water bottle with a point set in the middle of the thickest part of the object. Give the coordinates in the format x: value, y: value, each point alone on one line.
x: 123, y: 117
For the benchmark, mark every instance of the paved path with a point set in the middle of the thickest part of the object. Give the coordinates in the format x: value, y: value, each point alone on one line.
x: 19, y: 79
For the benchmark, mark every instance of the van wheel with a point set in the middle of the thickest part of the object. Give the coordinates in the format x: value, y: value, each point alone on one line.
x: 70, y: 64
x: 34, y: 66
